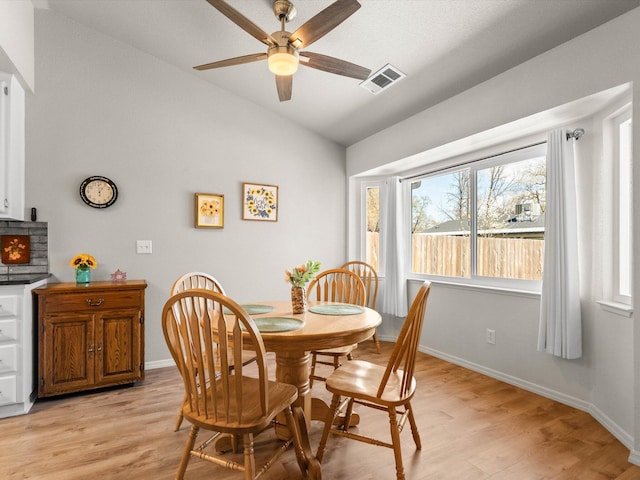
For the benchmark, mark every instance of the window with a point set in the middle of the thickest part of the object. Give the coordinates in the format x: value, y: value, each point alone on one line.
x: 622, y: 205
x: 372, y: 244
x: 484, y: 219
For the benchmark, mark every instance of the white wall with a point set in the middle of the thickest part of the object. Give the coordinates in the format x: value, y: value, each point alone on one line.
x: 104, y: 108
x: 606, y: 381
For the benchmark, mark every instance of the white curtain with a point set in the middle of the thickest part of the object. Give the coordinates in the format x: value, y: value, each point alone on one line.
x: 560, y: 331
x: 393, y: 245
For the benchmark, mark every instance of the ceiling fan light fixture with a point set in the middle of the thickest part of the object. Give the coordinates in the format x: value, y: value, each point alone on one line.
x: 283, y: 61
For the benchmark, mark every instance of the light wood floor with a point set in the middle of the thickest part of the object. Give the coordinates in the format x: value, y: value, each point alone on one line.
x: 472, y: 427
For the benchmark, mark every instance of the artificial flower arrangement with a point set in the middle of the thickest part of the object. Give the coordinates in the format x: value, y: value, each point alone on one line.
x: 303, y: 274
x: 83, y: 260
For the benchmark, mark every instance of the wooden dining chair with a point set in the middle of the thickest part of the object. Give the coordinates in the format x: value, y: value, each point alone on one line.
x: 383, y: 388
x: 220, y: 399
x: 192, y: 280
x: 334, y: 285
x: 369, y: 277
x: 195, y: 280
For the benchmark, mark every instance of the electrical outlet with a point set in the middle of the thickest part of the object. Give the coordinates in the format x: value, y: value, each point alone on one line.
x: 143, y: 246
x: 491, y: 336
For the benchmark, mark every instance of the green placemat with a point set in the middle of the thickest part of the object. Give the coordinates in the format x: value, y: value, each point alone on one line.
x: 337, y: 309
x: 253, y: 309
x: 277, y: 324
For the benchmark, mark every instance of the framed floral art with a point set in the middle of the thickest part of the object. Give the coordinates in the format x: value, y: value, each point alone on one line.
x: 209, y: 210
x: 260, y: 202
x: 16, y: 249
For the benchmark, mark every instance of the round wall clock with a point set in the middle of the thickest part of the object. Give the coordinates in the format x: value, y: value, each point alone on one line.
x: 98, y: 192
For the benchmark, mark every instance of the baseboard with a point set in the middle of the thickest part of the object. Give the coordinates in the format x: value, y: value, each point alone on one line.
x: 612, y: 427
x: 159, y: 364
x: 634, y: 457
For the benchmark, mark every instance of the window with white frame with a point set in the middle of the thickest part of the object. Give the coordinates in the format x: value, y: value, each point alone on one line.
x: 483, y: 220
x: 622, y: 207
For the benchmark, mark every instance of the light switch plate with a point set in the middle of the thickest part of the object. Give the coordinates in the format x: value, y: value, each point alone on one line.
x: 143, y: 246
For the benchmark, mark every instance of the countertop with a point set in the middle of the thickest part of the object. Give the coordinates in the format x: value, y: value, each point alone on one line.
x: 22, y: 278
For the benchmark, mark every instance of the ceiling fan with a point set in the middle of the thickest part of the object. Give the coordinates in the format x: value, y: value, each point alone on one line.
x: 283, y: 53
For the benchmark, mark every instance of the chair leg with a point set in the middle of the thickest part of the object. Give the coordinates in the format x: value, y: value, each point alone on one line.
x: 333, y: 409
x: 376, y: 340
x: 186, y: 454
x: 395, y: 440
x: 347, y: 415
x: 249, y: 460
x: 179, y: 421
x: 414, y: 427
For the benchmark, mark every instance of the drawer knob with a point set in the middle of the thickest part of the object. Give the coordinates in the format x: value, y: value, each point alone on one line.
x: 91, y: 303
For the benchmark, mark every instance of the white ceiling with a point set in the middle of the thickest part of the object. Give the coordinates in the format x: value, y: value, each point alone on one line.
x: 444, y: 47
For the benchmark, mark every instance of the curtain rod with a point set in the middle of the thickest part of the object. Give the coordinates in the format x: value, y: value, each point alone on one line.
x: 577, y: 133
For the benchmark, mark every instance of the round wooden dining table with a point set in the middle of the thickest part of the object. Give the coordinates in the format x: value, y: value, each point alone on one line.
x: 338, y: 325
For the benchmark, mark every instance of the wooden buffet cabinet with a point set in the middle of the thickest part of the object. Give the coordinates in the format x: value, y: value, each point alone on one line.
x: 89, y: 336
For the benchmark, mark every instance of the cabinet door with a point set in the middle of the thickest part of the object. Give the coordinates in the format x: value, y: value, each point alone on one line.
x: 67, y: 354
x: 118, y: 335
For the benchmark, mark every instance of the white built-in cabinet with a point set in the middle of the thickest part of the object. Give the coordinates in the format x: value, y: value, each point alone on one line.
x: 12, y: 148
x: 17, y: 352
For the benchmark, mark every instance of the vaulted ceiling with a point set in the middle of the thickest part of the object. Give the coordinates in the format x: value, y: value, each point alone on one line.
x: 443, y: 46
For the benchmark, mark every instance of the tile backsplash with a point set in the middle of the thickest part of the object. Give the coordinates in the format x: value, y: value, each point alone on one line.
x: 39, y: 236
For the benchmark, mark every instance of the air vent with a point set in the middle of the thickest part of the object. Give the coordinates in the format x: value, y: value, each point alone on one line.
x: 382, y: 79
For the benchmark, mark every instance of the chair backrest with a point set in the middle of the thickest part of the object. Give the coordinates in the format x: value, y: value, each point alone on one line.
x: 337, y: 285
x: 368, y: 276
x: 404, y: 352
x: 212, y: 390
x: 192, y: 280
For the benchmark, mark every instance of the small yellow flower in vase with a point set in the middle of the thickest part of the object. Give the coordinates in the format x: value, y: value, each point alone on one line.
x: 83, y: 263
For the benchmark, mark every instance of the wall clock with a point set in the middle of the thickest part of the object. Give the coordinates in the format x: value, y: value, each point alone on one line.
x: 98, y: 191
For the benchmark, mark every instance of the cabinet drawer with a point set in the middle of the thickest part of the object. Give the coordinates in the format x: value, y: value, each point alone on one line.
x: 8, y: 330
x: 92, y: 301
x: 8, y: 389
x: 8, y: 358
x: 8, y: 306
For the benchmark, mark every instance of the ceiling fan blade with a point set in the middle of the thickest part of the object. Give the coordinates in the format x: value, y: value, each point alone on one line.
x: 242, y: 21
x: 325, y: 21
x: 334, y: 65
x: 284, y: 84
x: 233, y: 61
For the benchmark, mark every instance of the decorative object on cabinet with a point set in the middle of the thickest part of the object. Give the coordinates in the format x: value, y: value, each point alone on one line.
x: 259, y: 202
x: 119, y: 276
x: 17, y: 382
x: 83, y: 262
x: 16, y: 249
x: 89, y: 337
x: 209, y: 210
x: 98, y: 191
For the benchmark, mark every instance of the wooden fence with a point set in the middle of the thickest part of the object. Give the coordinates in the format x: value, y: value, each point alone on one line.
x: 499, y: 257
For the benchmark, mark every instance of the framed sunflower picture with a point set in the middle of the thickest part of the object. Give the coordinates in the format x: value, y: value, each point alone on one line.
x: 209, y: 210
x: 259, y: 202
